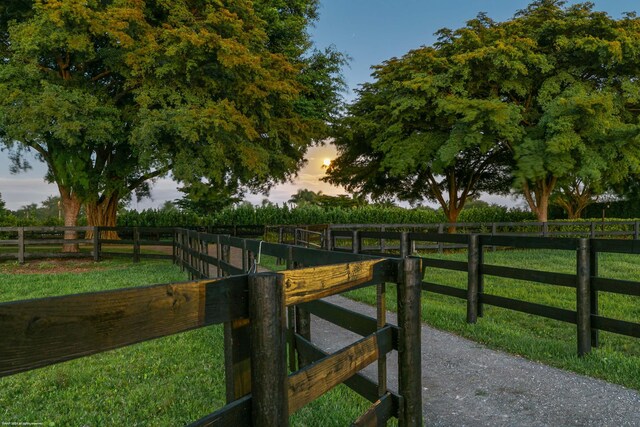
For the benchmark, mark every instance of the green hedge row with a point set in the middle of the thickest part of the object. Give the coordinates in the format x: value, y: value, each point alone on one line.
x: 271, y: 215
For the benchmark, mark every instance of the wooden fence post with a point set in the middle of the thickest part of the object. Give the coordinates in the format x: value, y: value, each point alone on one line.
x: 136, y: 244
x: 244, y: 256
x: 381, y: 318
x: 174, y: 246
x: 269, y: 404
x: 356, y: 242
x: 404, y: 244
x: 494, y: 231
x: 440, y: 244
x: 583, y: 298
x: 328, y: 245
x: 473, y: 278
x: 21, y: 245
x: 593, y: 293
x: 218, y: 256
x: 409, y: 345
x: 636, y: 230
x: 237, y: 359
x: 96, y: 244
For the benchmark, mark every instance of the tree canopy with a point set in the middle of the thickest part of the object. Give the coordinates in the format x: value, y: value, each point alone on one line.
x: 546, y: 98
x: 112, y: 94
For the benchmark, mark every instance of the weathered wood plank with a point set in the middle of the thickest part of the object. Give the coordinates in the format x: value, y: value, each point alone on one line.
x: 625, y: 287
x: 445, y: 290
x: 616, y: 326
x: 350, y: 320
x: 309, y: 284
x: 377, y: 415
x: 236, y: 413
x: 237, y: 359
x: 44, y: 331
x: 318, y: 378
x: 548, y: 277
x: 556, y: 313
x: 362, y: 385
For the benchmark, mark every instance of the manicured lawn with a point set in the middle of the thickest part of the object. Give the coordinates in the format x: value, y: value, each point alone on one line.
x: 168, y: 381
x: 552, y: 342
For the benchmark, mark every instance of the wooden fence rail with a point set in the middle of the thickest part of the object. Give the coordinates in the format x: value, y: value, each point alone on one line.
x: 585, y: 280
x: 315, y: 372
x: 255, y: 310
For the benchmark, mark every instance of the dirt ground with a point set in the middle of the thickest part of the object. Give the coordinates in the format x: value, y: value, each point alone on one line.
x: 50, y: 266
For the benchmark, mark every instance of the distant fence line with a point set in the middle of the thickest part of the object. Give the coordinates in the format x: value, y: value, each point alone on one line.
x: 361, y: 240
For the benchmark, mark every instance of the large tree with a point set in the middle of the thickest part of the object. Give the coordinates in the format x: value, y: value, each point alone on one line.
x: 112, y: 94
x: 414, y: 134
x: 555, y: 86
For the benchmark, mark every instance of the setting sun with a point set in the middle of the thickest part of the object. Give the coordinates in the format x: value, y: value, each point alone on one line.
x: 326, y: 162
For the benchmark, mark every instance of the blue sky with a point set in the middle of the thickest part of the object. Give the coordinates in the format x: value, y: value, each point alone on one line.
x: 369, y: 31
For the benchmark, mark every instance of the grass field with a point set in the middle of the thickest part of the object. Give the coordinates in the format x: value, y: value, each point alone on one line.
x: 552, y: 342
x: 164, y: 382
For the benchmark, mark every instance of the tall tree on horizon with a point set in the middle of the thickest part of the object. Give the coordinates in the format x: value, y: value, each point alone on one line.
x: 555, y: 88
x: 112, y: 95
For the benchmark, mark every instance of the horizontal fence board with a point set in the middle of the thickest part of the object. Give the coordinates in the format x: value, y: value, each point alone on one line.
x: 548, y: 277
x: 358, y: 383
x: 445, y: 264
x: 230, y: 269
x: 59, y: 241
x: 444, y: 290
x: 350, y: 320
x: 616, y: 246
x: 116, y: 242
x: 44, y: 331
x: 625, y: 287
x: 378, y: 414
x: 270, y: 249
x: 392, y: 235
x: 307, y: 284
x: 530, y: 308
x: 116, y: 254
x: 314, y: 257
x: 616, y: 326
x: 38, y: 255
x: 439, y: 237
x: 529, y: 242
x: 321, y: 376
x: 236, y: 413
x: 147, y: 242
x: 155, y: 256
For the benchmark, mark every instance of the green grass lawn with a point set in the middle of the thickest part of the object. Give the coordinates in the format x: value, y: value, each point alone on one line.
x: 164, y: 382
x: 552, y: 342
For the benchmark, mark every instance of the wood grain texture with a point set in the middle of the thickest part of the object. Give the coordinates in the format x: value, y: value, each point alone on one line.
x: 313, y: 381
x: 308, y: 284
x: 378, y: 414
x: 41, y: 332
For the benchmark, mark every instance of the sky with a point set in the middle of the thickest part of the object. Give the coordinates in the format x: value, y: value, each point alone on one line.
x: 370, y: 32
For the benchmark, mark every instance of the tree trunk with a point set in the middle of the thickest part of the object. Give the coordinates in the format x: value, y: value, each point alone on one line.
x: 538, y: 196
x: 452, y: 217
x: 103, y: 213
x: 71, y: 206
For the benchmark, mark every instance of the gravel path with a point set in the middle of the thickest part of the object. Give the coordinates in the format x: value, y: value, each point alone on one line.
x: 467, y: 384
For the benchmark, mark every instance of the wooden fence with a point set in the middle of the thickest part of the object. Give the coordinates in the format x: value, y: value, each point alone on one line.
x: 261, y: 313
x: 585, y: 280
x: 318, y: 235
x: 25, y: 243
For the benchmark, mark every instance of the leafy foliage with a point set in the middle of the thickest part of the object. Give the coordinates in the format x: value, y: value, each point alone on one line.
x: 555, y: 86
x: 111, y: 95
